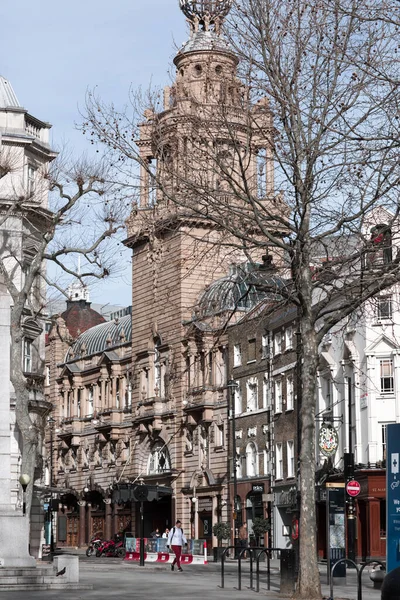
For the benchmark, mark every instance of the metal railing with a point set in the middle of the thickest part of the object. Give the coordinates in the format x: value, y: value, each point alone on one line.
x: 360, y: 570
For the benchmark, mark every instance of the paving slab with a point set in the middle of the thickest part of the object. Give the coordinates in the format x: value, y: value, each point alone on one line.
x: 116, y: 580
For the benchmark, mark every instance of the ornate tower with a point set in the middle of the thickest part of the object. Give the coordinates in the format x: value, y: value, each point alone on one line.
x: 179, y: 399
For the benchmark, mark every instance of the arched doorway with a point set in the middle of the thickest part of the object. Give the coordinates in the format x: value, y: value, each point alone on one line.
x: 254, y: 509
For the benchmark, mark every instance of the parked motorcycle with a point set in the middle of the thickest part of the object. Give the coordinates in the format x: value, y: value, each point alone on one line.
x: 111, y: 548
x: 94, y: 545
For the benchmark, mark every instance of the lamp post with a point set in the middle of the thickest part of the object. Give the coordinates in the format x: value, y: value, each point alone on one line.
x: 349, y: 476
x: 24, y: 481
x: 51, y: 422
x: 233, y: 386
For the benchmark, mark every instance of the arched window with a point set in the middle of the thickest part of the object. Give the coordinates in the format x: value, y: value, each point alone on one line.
x: 159, y: 460
x: 251, y: 460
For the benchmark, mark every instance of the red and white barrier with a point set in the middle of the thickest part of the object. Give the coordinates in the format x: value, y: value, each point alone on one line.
x: 205, y: 553
x: 167, y: 558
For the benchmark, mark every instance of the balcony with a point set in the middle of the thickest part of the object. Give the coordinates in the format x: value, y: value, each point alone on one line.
x: 152, y: 410
x: 200, y: 403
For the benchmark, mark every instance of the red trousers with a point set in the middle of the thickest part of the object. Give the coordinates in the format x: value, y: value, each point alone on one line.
x: 177, y: 551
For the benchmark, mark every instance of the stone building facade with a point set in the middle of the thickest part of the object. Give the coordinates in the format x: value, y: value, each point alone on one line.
x: 89, y: 384
x: 179, y: 358
x: 262, y: 352
x: 25, y: 154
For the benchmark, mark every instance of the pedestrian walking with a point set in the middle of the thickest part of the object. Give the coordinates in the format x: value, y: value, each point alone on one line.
x: 243, y: 538
x: 176, y: 539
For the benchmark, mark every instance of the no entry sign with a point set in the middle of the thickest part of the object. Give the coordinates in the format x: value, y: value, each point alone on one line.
x: 353, y: 488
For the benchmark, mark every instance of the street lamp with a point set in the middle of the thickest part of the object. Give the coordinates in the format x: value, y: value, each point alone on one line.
x: 24, y: 481
x: 51, y: 422
x: 232, y: 385
x: 349, y: 476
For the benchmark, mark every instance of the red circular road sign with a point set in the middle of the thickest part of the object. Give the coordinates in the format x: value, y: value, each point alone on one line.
x: 353, y: 488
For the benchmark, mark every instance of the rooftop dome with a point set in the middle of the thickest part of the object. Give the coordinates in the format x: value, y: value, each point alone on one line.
x: 79, y: 317
x: 204, y: 41
x: 102, y: 337
x: 241, y: 290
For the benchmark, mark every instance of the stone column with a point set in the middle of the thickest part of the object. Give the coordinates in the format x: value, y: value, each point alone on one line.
x: 103, y: 403
x: 14, y: 527
x: 214, y: 519
x: 82, y: 523
x: 89, y: 520
x: 144, y: 190
x: 115, y: 528
x: 122, y: 393
x: 75, y: 406
x: 108, y: 524
x: 5, y: 447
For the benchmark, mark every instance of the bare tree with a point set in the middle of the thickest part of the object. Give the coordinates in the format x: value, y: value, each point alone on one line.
x: 83, y: 217
x: 315, y: 115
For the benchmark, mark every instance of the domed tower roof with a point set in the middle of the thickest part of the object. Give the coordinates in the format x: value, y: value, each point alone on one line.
x: 241, y: 290
x: 79, y: 316
x: 102, y: 337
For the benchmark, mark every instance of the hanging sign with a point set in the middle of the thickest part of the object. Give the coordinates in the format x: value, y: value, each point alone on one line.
x: 393, y: 496
x: 328, y: 439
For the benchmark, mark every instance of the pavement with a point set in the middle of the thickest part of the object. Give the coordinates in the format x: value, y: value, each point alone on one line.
x: 112, y: 578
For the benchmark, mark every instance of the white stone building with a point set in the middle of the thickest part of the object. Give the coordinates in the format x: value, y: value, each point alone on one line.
x: 24, y: 157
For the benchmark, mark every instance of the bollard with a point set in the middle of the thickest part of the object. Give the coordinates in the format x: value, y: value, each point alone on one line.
x: 391, y: 586
x: 288, y: 575
x: 377, y: 576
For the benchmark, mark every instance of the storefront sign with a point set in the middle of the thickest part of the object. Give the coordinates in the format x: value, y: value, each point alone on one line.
x: 328, y: 439
x: 393, y: 496
x: 257, y: 487
x: 336, y: 535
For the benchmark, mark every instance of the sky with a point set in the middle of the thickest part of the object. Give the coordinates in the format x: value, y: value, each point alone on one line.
x: 53, y: 52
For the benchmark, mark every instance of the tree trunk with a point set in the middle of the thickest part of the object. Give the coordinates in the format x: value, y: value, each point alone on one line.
x: 309, y: 586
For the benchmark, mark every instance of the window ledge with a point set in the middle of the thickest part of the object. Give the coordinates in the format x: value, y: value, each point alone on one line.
x: 219, y: 448
x: 289, y: 410
x: 236, y: 366
x: 249, y: 362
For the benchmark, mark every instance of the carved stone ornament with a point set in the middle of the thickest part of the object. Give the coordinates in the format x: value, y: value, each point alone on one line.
x: 252, y: 432
x: 205, y: 13
x: 239, y: 434
x: 328, y: 440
